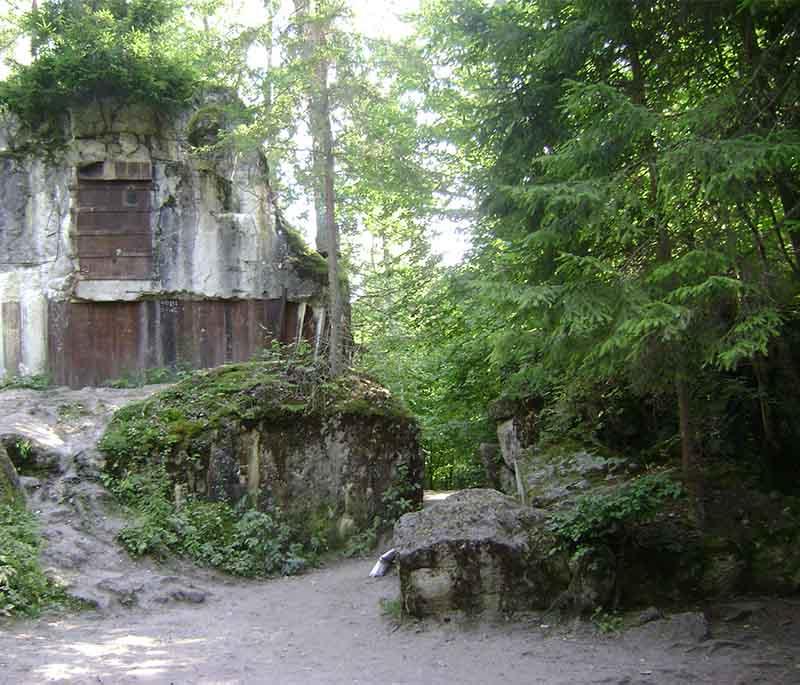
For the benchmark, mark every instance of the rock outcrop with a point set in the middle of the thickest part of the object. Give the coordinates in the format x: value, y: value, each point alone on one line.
x: 51, y: 437
x: 596, y: 540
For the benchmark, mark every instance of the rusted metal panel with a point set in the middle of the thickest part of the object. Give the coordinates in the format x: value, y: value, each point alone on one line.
x: 168, y: 331
x: 114, y: 235
x: 309, y: 326
x: 117, y: 268
x: 112, y: 222
x: 241, y: 329
x: 130, y: 245
x: 110, y: 196
x: 94, y: 342
x: 271, y: 319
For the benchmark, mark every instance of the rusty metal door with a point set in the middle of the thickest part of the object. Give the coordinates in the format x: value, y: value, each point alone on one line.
x: 113, y: 221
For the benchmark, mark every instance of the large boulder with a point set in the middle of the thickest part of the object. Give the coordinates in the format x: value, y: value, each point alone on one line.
x: 478, y: 551
x: 10, y: 489
x: 332, y: 454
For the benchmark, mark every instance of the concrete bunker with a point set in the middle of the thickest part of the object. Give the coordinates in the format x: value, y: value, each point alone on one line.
x: 127, y: 250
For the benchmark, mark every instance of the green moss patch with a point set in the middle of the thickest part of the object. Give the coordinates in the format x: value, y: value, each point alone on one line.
x: 307, y: 262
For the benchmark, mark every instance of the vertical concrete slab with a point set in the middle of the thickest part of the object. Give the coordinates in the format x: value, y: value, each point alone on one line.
x: 33, y: 333
x: 3, y: 371
x: 12, y: 356
x: 301, y: 318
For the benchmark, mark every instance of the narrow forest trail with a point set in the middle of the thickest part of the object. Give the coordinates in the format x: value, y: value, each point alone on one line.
x: 328, y: 627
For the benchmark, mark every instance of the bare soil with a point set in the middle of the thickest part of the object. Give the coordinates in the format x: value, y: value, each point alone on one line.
x: 329, y: 627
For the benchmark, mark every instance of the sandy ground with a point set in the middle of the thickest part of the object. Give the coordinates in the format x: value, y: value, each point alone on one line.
x: 328, y: 627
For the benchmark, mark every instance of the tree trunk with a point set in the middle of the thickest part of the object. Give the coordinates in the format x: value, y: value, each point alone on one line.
x: 690, y: 457
x: 315, y: 40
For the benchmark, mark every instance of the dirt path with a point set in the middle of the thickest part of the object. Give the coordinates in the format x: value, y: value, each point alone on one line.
x: 186, y: 626
x: 328, y: 627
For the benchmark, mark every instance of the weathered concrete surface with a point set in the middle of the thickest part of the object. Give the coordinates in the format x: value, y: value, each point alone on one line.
x: 215, y: 231
x: 334, y: 468
x: 475, y: 553
x: 51, y: 436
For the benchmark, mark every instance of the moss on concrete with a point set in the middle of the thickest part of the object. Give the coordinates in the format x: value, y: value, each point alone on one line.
x: 307, y: 262
x: 10, y: 491
x: 186, y: 417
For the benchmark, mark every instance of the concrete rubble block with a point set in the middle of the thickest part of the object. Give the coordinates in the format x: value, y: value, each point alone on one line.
x: 477, y: 552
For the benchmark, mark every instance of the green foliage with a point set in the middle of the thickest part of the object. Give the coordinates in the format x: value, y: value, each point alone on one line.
x: 639, y: 201
x: 35, y: 382
x: 243, y: 542
x: 421, y: 336
x: 392, y: 608
x: 84, y: 51
x: 24, y: 589
x: 599, y: 517
x: 155, y: 376
x: 607, y: 622
x: 23, y: 448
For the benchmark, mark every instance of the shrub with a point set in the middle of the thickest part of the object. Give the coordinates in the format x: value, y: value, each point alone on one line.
x: 242, y: 541
x: 35, y: 382
x: 101, y: 49
x: 24, y: 589
x: 598, y: 517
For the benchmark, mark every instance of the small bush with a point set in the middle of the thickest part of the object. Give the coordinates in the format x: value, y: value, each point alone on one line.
x: 597, y: 517
x: 243, y: 542
x: 35, y: 382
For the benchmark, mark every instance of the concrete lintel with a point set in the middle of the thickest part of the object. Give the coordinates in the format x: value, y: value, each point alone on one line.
x: 115, y: 291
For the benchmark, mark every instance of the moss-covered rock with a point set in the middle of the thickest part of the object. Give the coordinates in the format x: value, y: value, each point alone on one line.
x: 279, y: 433
x: 10, y: 490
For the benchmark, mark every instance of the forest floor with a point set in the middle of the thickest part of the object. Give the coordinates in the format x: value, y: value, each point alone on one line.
x: 328, y: 626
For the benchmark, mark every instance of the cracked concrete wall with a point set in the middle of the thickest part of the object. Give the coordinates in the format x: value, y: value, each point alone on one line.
x: 213, y: 225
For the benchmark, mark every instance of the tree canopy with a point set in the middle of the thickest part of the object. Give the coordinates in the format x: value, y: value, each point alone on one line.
x: 129, y: 50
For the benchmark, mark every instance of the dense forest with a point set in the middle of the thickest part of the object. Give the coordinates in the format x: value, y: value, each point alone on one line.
x: 627, y: 174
